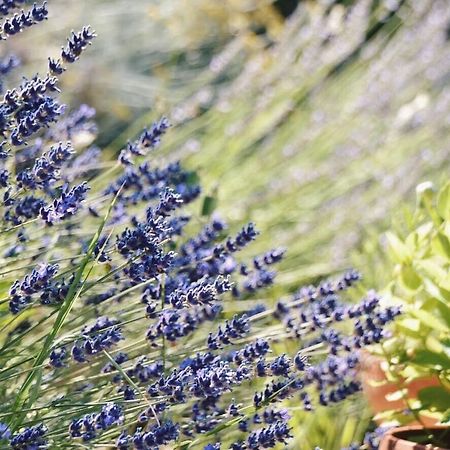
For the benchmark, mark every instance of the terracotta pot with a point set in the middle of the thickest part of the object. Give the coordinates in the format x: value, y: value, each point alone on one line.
x: 397, y: 439
x: 372, y: 375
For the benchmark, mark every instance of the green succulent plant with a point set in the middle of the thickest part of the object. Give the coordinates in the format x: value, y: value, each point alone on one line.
x: 420, y: 346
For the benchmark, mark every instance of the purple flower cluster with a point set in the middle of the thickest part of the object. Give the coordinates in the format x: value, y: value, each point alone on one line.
x: 38, y: 281
x: 269, y: 436
x: 156, y: 436
x: 8, y: 5
x: 233, y: 329
x: 178, y: 373
x: 30, y: 438
x: 47, y: 168
x: 75, y: 46
x: 371, y: 440
x: 103, y: 335
x: 176, y: 324
x: 242, y: 239
x: 88, y: 426
x: 28, y: 112
x: 66, y: 205
x: 148, y: 140
x: 215, y: 379
x: 22, y: 20
x: 5, y: 432
x: 252, y: 351
x: 145, y: 372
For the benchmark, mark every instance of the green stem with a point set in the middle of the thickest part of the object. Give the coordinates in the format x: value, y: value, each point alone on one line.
x: 73, y: 294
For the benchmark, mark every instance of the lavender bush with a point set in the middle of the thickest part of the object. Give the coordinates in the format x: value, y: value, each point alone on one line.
x: 126, y: 320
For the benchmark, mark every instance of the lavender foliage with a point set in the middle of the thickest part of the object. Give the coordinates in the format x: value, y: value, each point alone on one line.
x: 133, y: 337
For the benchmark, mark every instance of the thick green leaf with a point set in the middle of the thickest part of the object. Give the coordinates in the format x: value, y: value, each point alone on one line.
x: 441, y: 245
x: 435, y: 397
x: 209, y: 205
x: 409, y: 278
x: 431, y: 359
x: 446, y: 416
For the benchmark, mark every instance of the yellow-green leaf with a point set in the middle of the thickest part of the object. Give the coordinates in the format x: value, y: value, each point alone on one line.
x: 429, y: 320
x: 398, y: 250
x: 443, y: 202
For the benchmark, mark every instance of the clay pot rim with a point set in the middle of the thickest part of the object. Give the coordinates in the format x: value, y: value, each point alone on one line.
x: 408, y: 428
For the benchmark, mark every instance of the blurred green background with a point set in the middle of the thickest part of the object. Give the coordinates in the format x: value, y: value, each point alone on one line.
x: 315, y: 119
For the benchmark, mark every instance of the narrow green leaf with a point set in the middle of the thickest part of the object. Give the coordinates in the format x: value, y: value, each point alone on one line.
x: 72, y: 295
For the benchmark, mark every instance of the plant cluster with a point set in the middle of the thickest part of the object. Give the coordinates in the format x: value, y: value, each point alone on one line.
x: 129, y: 322
x: 420, y: 283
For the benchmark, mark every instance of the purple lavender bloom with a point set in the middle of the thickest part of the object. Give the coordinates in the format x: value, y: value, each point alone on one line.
x: 252, y: 351
x: 143, y: 372
x: 234, y: 329
x: 24, y: 19
x: 140, y: 238
x: 76, y: 43
x: 148, y: 140
x: 271, y: 415
x: 281, y: 366
x: 46, y: 169
x: 8, y: 5
x: 278, y: 390
x: 214, y: 380
x: 243, y: 238
x: 152, y: 137
x: 88, y: 426
x: 102, y: 335
x: 56, y: 292
x: 5, y: 432
x: 55, y: 67
x: 169, y: 201
x: 259, y: 279
x: 269, y: 258
x: 101, y: 250
x: 204, y: 238
x: 200, y: 292
x: 120, y: 358
x: 8, y: 63
x: 124, y: 440
x: 30, y: 438
x: 28, y: 109
x: 25, y: 208
x: 22, y: 291
x: 4, y: 177
x: 269, y: 436
x: 58, y: 357
x: 157, y: 435
x: 150, y: 266
x: 301, y: 361
x: 66, y: 205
